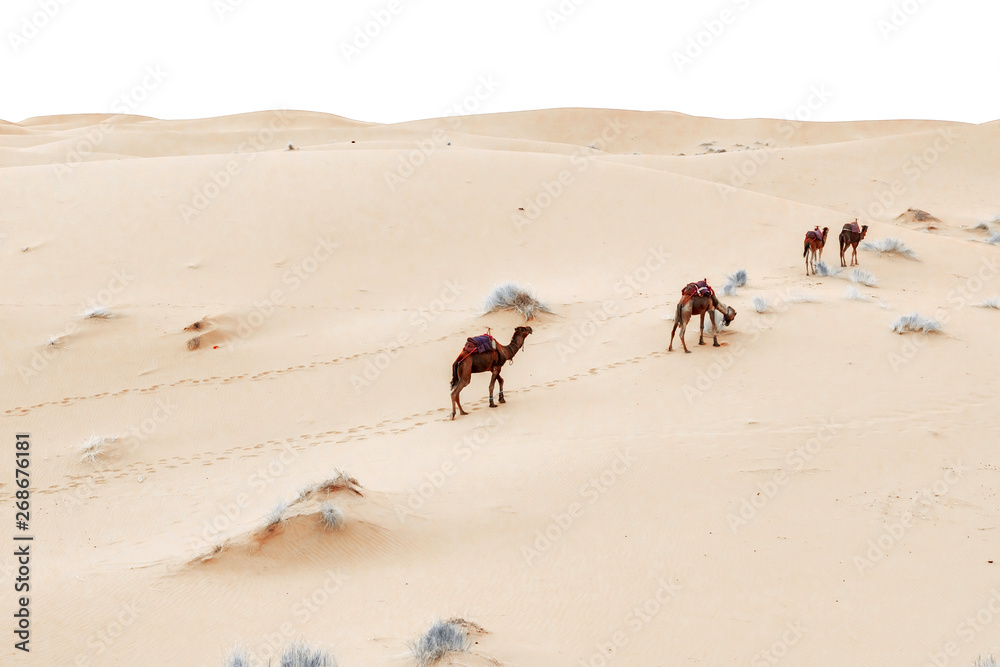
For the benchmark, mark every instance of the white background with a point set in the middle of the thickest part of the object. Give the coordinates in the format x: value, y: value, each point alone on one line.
x: 870, y: 59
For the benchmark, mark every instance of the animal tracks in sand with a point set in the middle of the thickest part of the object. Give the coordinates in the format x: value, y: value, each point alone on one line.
x: 216, y: 379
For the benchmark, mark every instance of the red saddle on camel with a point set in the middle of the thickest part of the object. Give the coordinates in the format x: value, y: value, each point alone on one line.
x: 700, y: 288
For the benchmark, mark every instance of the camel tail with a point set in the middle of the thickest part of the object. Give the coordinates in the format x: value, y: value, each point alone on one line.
x: 454, y: 373
x: 805, y: 248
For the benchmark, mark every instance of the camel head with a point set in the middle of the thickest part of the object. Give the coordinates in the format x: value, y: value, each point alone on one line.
x: 826, y: 230
x: 524, y: 331
x: 864, y: 230
x: 730, y: 315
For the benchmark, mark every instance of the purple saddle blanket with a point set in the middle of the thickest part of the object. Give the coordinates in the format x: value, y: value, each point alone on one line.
x: 852, y: 227
x: 700, y: 288
x: 814, y: 235
x: 484, y: 343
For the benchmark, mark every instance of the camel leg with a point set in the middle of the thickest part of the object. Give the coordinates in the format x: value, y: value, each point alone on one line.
x: 454, y: 397
x: 670, y: 348
x: 462, y: 384
x: 701, y: 332
x: 715, y: 330
x: 500, y: 397
x: 493, y: 381
x: 684, y: 326
x: 463, y: 381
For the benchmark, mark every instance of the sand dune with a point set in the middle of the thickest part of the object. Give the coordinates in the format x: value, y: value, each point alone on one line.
x: 817, y: 490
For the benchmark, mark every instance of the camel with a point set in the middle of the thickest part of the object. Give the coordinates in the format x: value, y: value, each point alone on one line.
x: 467, y: 364
x: 699, y: 305
x: 813, y: 250
x: 849, y: 237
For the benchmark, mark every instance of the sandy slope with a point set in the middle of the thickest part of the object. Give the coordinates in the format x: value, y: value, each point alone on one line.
x: 816, y: 491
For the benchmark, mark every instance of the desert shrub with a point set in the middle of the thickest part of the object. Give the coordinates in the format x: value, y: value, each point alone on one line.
x: 917, y: 323
x: 889, y: 246
x: 822, y: 269
x: 442, y: 637
x: 96, y: 448
x: 864, y: 277
x: 97, y: 313
x: 302, y: 655
x: 332, y: 516
x: 510, y: 296
x: 991, y: 302
x: 854, y: 293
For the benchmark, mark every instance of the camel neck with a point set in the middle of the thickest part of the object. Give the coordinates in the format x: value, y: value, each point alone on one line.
x: 514, y: 346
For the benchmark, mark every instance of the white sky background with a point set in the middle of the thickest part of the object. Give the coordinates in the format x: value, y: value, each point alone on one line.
x: 868, y: 59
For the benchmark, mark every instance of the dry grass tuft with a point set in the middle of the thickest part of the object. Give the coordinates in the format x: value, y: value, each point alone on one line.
x: 339, y: 481
x: 915, y: 322
x: 97, y: 448
x: 98, y: 313
x: 442, y: 637
x: 510, y: 296
x: 889, y: 246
